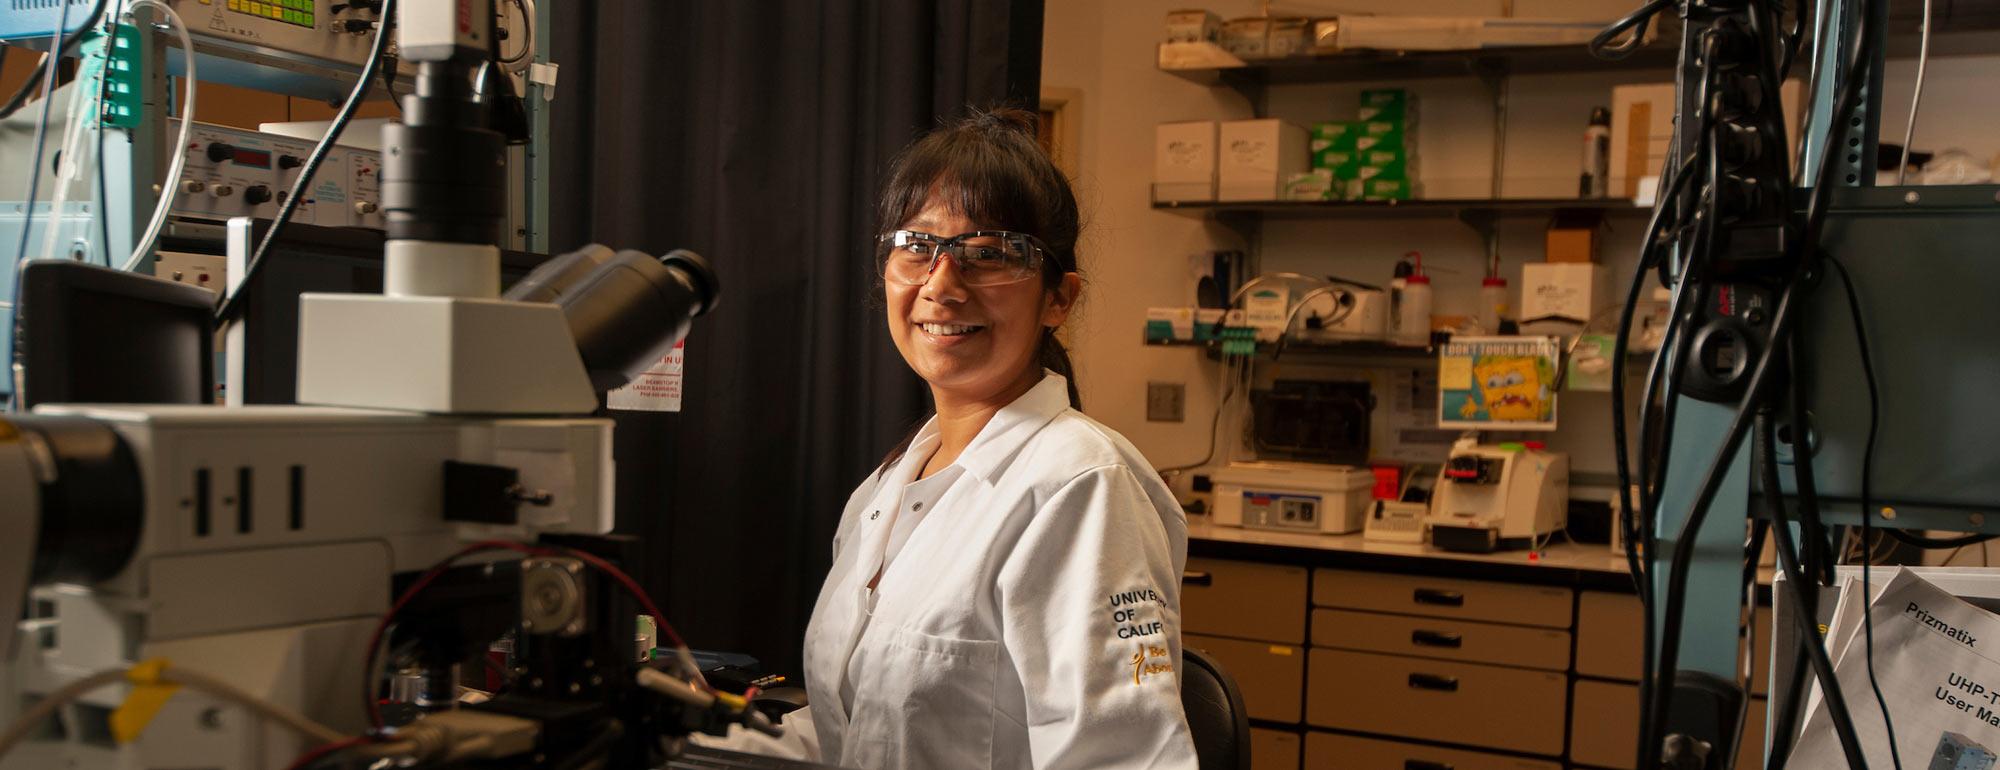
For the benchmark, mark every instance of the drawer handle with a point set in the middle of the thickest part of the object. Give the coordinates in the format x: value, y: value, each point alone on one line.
x: 1440, y: 598
x: 1434, y: 682
x: 1193, y: 578
x: 1425, y: 764
x: 1423, y: 638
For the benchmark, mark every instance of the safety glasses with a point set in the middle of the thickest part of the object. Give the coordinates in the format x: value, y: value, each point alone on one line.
x: 983, y: 257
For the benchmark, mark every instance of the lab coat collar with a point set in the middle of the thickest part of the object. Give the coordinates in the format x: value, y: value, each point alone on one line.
x: 1012, y: 426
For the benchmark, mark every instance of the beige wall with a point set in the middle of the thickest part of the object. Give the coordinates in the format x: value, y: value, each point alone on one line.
x: 1136, y: 258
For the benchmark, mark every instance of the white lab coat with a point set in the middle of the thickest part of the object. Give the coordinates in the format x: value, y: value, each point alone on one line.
x: 1031, y: 617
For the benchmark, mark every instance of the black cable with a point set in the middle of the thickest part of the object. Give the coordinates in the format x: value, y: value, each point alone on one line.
x: 233, y: 305
x: 1807, y: 622
x: 68, y: 44
x: 1867, y: 499
x: 1636, y: 23
x: 1683, y: 555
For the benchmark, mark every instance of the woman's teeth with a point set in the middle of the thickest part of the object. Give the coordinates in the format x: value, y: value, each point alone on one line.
x: 949, y: 330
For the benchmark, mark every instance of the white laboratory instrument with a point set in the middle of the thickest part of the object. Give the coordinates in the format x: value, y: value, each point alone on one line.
x: 1391, y: 521
x: 1495, y: 496
x: 1349, y: 314
x: 1292, y: 497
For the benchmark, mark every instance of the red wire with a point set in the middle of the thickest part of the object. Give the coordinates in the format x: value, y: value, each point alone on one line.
x: 320, y: 752
x: 631, y: 586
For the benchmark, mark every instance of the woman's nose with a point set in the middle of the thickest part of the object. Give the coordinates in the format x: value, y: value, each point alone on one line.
x: 945, y: 284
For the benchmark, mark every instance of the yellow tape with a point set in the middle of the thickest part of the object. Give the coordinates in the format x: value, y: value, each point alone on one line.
x: 149, y: 694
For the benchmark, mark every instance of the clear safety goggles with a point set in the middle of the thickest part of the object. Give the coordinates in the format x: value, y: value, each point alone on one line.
x: 983, y: 257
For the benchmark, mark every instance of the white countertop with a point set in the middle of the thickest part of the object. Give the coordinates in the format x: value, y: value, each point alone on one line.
x: 1559, y: 554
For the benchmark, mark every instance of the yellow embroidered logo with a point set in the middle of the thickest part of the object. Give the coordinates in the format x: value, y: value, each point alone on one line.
x: 1142, y: 665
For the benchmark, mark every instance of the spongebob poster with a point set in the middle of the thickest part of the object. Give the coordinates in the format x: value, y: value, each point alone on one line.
x: 1502, y: 383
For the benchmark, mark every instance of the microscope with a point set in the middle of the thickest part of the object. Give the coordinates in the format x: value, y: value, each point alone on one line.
x: 441, y: 488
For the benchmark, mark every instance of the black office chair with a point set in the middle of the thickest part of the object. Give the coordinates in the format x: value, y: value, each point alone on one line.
x: 1215, y: 713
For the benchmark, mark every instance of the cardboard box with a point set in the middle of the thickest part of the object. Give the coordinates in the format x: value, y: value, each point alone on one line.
x: 1289, y: 37
x: 1642, y: 127
x: 1573, y: 238
x: 1256, y: 158
x: 1248, y: 37
x: 1459, y: 33
x: 1184, y: 158
x: 1193, y: 26
x: 1559, y: 298
x: 1335, y: 135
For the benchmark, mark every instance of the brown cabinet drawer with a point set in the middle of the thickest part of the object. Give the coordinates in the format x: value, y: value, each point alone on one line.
x: 1273, y: 749
x: 1608, y: 635
x: 1443, y: 597
x: 1604, y: 728
x: 1244, y: 600
x: 1269, y: 675
x: 1543, y: 648
x: 1466, y: 703
x: 1604, y: 731
x: 1326, y: 751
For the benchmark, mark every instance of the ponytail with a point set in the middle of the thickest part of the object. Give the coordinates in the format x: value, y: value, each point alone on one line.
x: 1054, y: 357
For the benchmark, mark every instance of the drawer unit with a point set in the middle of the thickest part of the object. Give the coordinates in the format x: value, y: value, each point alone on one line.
x: 1244, y: 600
x: 1270, y: 675
x: 1605, y: 724
x: 1604, y: 730
x: 1326, y: 751
x: 1465, y: 703
x: 1543, y: 648
x: 1274, y: 749
x: 1443, y: 597
x: 1609, y: 636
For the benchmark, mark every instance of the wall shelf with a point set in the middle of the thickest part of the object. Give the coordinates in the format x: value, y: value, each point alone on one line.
x: 1250, y: 76
x: 1479, y: 214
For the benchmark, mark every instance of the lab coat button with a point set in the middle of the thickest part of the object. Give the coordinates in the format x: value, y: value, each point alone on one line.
x: 875, y: 515
x: 917, y: 506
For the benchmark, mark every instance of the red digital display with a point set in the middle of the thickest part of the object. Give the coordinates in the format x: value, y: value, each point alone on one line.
x: 258, y: 158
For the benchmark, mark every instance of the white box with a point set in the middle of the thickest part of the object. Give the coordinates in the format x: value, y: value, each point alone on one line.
x: 1193, y: 26
x: 1559, y: 298
x: 1255, y: 158
x: 1329, y: 499
x: 1642, y: 127
x: 1184, y: 161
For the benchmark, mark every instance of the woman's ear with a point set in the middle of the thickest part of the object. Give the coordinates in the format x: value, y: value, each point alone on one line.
x: 1061, y: 299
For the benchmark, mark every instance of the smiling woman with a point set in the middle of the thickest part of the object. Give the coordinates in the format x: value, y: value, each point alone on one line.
x: 1005, y: 590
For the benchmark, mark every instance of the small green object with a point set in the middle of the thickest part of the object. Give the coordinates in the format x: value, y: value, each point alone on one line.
x: 123, y: 76
x: 1512, y: 446
x: 1159, y: 331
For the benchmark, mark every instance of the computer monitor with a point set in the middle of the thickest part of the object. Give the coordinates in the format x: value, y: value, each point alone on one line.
x: 92, y: 334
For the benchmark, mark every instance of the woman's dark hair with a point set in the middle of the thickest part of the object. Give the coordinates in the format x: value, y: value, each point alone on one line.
x: 996, y: 174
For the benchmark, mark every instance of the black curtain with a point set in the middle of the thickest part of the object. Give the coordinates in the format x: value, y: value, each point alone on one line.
x: 758, y: 133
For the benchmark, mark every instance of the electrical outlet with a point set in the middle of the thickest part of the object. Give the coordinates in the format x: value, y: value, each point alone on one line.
x: 1165, y: 401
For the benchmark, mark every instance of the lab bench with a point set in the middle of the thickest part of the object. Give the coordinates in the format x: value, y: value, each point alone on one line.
x: 1390, y: 656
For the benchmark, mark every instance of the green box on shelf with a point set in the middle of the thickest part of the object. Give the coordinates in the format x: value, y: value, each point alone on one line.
x: 1380, y: 189
x: 1336, y: 135
x: 1332, y: 159
x: 1384, y: 134
x: 1387, y: 104
x: 1314, y: 185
